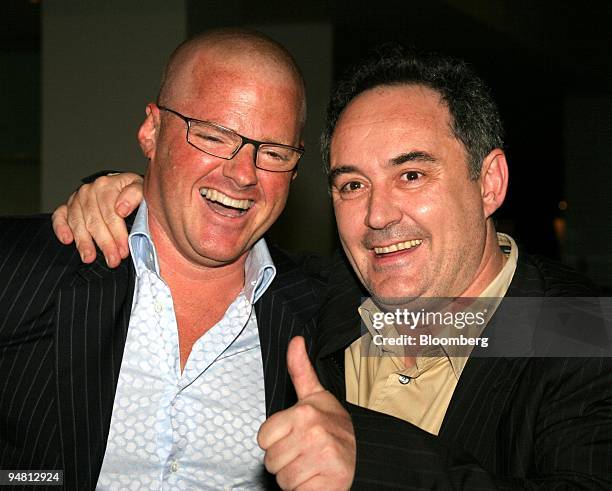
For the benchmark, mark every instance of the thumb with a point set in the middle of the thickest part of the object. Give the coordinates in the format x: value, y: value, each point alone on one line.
x: 301, y: 371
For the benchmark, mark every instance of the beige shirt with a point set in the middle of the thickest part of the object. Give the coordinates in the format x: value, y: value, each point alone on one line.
x: 377, y: 378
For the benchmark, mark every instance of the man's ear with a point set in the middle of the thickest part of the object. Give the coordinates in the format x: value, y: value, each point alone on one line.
x: 493, y: 181
x: 148, y: 132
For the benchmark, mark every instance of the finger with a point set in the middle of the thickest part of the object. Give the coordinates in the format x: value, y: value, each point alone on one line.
x: 299, y: 471
x: 315, y: 483
x: 111, y: 234
x: 82, y: 238
x: 85, y: 217
x: 118, y: 230
x: 275, y: 428
x: 282, y: 452
x: 130, y: 197
x: 59, y: 220
x: 301, y: 371
x: 324, y: 461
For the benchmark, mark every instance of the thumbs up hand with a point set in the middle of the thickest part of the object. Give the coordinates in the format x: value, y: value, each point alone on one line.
x: 310, y: 446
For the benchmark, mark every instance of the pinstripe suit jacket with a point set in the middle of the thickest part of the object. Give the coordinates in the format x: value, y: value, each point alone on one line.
x: 512, y: 423
x: 63, y: 327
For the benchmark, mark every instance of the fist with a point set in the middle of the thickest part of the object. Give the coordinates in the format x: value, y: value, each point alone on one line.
x: 310, y: 446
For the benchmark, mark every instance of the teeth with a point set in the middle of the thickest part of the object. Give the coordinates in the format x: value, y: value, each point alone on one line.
x: 219, y: 197
x: 400, y: 246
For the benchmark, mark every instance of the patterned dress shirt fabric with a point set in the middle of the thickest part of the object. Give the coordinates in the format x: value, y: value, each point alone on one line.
x: 196, y: 429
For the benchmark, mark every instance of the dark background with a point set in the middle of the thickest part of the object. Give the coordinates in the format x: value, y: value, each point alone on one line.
x: 547, y: 62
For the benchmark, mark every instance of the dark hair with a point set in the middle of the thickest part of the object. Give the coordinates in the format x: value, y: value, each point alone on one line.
x: 475, y: 119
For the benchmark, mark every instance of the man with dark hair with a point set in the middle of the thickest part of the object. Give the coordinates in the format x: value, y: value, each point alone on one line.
x: 413, y: 147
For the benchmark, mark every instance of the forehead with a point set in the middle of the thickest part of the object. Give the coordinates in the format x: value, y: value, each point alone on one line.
x: 390, y: 119
x: 240, y: 95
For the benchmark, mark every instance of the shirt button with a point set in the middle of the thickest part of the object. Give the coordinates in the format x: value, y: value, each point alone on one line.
x: 158, y: 307
x: 174, y: 466
x: 404, y: 379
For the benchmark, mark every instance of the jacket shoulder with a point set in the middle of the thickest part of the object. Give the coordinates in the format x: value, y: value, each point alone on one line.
x: 560, y: 280
x: 302, y: 266
x: 30, y: 254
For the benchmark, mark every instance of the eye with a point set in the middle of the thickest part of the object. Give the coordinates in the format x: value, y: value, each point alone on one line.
x: 350, y: 187
x: 211, y: 138
x: 206, y: 137
x: 273, y: 154
x: 412, y: 175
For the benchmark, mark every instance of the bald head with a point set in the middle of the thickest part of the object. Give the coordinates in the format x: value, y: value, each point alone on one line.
x: 230, y: 49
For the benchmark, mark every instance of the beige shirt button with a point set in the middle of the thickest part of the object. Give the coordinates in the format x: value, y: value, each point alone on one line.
x: 404, y: 379
x: 174, y: 466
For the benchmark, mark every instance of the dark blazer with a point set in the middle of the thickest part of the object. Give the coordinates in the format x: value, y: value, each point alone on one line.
x: 512, y: 423
x: 63, y: 326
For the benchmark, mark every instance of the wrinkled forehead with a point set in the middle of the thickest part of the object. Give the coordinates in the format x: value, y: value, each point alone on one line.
x: 394, y: 103
x: 414, y: 114
x: 218, y: 69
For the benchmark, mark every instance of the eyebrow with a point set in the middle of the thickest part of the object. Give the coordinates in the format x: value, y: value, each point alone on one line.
x: 343, y: 169
x: 412, y: 157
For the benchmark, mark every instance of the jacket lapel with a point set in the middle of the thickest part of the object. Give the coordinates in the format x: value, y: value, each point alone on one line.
x: 91, y: 327
x: 287, y: 309
x: 477, y: 405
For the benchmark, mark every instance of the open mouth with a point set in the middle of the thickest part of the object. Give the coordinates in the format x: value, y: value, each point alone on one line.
x: 225, y: 205
x: 399, y: 246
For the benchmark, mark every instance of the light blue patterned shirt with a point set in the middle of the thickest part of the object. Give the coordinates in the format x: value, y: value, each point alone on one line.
x: 195, y: 430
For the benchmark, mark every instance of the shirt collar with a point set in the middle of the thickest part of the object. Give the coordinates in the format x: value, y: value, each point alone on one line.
x: 141, y: 245
x: 259, y: 269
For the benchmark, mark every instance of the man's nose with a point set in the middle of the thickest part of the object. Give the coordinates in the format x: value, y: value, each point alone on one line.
x: 241, y: 169
x: 382, y: 211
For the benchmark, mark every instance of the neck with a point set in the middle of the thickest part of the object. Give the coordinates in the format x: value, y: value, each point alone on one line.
x: 201, y: 293
x: 492, y: 262
x: 175, y: 267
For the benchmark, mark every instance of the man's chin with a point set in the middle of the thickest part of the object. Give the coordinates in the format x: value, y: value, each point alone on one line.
x: 394, y: 293
x: 393, y: 302
x: 218, y: 257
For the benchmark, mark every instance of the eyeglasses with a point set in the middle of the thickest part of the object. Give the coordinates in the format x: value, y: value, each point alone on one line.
x: 224, y: 143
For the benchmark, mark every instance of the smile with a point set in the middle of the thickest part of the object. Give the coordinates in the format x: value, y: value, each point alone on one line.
x: 217, y: 197
x: 400, y: 246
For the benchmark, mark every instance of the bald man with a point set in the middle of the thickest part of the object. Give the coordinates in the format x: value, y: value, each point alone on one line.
x: 159, y: 373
